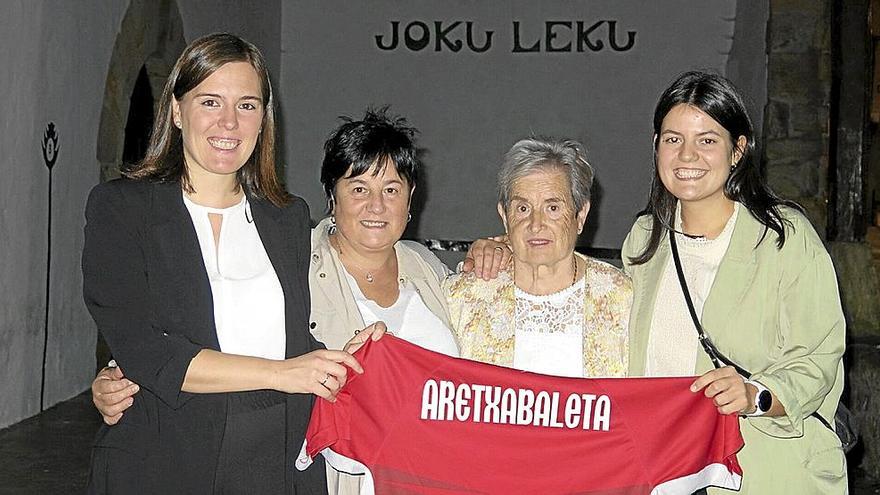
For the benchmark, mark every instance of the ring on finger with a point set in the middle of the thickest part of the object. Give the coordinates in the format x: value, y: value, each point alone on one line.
x: 324, y: 381
x: 499, y: 248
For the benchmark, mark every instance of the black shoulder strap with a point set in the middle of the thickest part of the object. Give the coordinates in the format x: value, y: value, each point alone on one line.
x: 718, y: 359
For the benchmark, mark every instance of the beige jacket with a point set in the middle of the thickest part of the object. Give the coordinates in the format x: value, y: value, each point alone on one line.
x: 335, y: 315
x: 776, y: 313
x: 482, y: 316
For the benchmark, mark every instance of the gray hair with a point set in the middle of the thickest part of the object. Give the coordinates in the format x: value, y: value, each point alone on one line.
x: 540, y: 154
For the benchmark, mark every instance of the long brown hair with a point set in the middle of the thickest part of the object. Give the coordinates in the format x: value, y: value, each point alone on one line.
x: 164, y: 159
x: 719, y: 99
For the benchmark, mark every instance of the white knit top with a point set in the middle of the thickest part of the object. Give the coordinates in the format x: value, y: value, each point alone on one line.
x: 672, y: 343
x: 408, y: 318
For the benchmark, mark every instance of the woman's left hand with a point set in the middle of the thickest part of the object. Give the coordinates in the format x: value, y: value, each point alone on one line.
x: 727, y: 389
x: 374, y: 331
x: 486, y: 257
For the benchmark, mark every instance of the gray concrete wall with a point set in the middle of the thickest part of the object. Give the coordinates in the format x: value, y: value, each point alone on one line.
x: 52, y: 72
x: 472, y: 106
x: 258, y: 22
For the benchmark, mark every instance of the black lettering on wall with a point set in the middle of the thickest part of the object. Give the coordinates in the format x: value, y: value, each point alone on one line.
x: 441, y: 36
x: 517, y: 47
x: 393, y: 45
x: 550, y: 34
x: 558, y: 36
x: 470, y: 39
x: 584, y: 37
x: 612, y: 38
x: 413, y: 43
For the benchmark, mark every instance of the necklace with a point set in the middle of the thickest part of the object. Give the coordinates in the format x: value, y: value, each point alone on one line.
x: 368, y: 274
x: 574, y: 264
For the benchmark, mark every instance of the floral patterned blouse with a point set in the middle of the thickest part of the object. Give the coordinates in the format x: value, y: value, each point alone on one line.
x: 482, y: 314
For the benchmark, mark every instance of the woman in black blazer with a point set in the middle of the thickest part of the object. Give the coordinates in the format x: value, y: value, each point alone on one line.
x: 195, y: 244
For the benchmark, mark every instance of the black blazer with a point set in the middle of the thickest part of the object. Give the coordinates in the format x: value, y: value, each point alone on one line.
x: 145, y: 284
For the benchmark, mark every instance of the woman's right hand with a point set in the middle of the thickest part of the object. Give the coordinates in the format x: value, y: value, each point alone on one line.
x: 486, y: 257
x: 322, y: 372
x: 112, y: 394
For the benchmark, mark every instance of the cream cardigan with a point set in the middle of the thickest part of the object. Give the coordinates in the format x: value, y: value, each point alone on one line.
x: 482, y: 317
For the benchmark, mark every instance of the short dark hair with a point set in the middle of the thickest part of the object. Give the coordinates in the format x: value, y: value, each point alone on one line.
x: 370, y: 143
x: 164, y: 159
x: 718, y: 98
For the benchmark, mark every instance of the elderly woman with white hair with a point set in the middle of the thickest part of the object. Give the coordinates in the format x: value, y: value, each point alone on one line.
x: 553, y: 311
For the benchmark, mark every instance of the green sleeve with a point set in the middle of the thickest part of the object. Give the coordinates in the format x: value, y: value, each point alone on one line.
x: 812, y: 328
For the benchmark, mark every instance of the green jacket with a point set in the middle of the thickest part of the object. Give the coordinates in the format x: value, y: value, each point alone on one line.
x: 775, y: 312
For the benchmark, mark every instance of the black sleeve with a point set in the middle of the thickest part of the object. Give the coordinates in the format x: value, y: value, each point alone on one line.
x: 303, y: 261
x: 116, y: 292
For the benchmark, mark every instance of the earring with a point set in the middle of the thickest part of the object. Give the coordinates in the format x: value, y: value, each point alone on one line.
x: 177, y: 123
x: 408, y: 217
x: 332, y: 227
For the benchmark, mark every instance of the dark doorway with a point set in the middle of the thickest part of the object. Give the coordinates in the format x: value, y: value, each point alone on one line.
x: 140, y: 120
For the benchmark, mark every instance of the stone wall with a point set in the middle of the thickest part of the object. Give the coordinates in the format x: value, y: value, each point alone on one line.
x: 796, y: 142
x: 796, y: 152
x: 796, y: 127
x: 863, y: 363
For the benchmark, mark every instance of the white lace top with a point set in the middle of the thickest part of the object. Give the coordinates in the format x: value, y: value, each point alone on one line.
x: 550, y: 331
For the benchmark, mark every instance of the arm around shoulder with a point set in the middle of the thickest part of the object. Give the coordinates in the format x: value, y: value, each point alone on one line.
x: 635, y: 242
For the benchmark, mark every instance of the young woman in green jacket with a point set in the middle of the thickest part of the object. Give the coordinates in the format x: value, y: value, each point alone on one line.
x: 762, y: 285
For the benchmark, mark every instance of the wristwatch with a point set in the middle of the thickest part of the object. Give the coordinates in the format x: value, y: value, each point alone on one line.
x: 763, y: 399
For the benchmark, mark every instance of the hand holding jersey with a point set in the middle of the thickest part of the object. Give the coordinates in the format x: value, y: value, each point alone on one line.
x: 465, y: 426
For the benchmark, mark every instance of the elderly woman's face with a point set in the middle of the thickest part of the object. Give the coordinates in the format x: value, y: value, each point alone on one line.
x: 541, y: 220
x: 371, y: 209
x: 220, y: 120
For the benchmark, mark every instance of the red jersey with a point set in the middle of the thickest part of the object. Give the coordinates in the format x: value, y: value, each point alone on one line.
x: 423, y: 422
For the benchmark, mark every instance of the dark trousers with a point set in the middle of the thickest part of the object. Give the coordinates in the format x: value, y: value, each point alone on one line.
x: 252, y: 452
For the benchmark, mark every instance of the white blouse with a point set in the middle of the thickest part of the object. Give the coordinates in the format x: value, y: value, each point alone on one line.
x: 248, y: 299
x: 408, y: 318
x: 672, y: 340
x: 549, y: 331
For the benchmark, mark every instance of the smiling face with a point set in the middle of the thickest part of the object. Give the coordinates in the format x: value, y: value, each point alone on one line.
x: 220, y: 120
x: 541, y: 221
x: 695, y: 155
x: 371, y: 209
